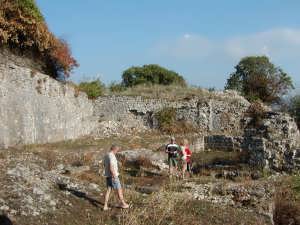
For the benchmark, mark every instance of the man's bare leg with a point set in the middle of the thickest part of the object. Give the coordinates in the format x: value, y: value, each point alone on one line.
x: 106, y: 198
x: 121, y: 198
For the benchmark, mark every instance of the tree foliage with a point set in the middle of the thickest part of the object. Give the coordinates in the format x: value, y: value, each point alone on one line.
x: 151, y: 74
x: 258, y: 79
x: 22, y: 28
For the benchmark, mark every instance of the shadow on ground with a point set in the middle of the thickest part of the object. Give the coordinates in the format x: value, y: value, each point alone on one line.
x: 79, y: 194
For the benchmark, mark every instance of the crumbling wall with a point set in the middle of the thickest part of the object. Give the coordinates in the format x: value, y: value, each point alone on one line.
x: 212, y: 115
x: 35, y: 108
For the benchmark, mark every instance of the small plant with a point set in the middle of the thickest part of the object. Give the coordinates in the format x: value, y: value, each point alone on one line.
x: 93, y: 89
x: 168, y: 122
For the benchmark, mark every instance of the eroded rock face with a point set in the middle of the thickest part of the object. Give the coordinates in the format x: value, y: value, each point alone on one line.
x: 220, y: 113
x: 274, y: 143
x: 38, y: 109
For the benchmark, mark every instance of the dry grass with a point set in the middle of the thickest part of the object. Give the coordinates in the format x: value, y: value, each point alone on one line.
x: 287, y: 202
x: 169, y: 92
x: 169, y: 208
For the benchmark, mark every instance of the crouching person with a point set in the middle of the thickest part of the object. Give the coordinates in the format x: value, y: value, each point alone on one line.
x: 111, y: 173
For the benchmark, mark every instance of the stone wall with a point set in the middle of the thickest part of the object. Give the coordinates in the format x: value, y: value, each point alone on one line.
x: 27, y: 60
x: 35, y: 108
x: 222, y: 142
x: 215, y: 115
x: 273, y: 144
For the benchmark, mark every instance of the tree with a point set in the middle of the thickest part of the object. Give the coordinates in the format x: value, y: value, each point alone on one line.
x: 294, y: 108
x: 151, y: 74
x: 257, y: 78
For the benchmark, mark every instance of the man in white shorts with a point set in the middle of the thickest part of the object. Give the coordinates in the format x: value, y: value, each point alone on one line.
x: 111, y: 172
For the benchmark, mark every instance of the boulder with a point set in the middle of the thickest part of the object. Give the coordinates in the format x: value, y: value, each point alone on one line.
x: 144, y: 158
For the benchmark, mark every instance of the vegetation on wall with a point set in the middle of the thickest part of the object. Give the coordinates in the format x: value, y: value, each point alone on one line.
x: 256, y: 112
x: 93, y: 88
x: 170, y: 124
x: 22, y: 28
x: 151, y: 74
x: 257, y: 78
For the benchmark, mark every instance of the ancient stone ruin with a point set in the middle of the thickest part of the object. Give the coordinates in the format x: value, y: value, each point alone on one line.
x: 38, y: 109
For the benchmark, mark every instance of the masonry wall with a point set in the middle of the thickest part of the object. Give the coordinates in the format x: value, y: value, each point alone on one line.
x: 215, y: 115
x: 35, y: 108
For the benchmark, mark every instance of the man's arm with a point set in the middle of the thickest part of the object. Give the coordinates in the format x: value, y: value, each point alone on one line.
x: 112, y: 171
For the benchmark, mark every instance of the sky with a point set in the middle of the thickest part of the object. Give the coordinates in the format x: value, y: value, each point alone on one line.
x: 200, y: 39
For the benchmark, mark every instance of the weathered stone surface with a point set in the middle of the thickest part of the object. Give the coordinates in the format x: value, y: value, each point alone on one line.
x: 217, y: 114
x: 222, y: 142
x: 36, y: 191
x: 273, y: 144
x: 38, y: 109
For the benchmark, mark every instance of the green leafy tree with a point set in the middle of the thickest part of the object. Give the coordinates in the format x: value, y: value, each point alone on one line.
x: 151, y: 74
x: 93, y: 89
x: 295, y: 108
x: 258, y: 79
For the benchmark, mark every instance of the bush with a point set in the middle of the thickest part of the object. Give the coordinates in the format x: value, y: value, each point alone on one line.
x: 257, y: 113
x: 151, y: 74
x: 116, y: 88
x: 93, y: 89
x: 168, y: 122
x: 23, y: 28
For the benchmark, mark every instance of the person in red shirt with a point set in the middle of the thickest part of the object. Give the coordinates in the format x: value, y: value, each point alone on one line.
x: 186, y: 154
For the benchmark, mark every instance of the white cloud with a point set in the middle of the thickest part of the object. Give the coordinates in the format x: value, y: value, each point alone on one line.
x: 275, y: 43
x: 207, y: 61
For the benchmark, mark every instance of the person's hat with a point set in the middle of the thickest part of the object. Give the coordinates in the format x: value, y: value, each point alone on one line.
x: 173, y: 138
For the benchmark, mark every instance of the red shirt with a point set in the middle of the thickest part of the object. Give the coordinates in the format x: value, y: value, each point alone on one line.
x: 188, y: 153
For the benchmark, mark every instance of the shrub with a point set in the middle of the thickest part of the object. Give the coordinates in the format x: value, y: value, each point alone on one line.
x: 168, y: 122
x: 151, y: 74
x: 116, y: 88
x: 93, y: 89
x: 257, y: 113
x: 23, y: 28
